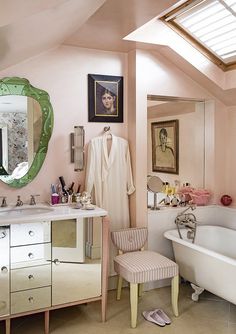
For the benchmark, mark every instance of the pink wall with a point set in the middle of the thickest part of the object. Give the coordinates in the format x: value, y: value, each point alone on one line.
x: 158, y: 76
x: 230, y: 150
x: 62, y: 72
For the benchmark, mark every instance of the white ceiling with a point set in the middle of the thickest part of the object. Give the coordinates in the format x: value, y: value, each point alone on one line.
x: 30, y: 27
x: 106, y: 28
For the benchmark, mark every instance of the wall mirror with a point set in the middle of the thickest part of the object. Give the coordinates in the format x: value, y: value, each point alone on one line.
x: 26, y: 122
x: 190, y: 115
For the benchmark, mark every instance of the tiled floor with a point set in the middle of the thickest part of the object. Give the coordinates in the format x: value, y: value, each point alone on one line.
x: 210, y: 315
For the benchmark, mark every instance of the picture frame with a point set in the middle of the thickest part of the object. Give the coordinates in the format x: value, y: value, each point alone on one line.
x: 105, y: 98
x: 165, y: 146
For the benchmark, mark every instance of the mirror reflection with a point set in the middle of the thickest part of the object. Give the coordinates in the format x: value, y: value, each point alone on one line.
x: 190, y: 115
x: 76, y: 254
x: 26, y: 122
x: 20, y: 130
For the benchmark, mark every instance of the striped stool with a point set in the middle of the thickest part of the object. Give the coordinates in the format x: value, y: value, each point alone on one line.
x: 138, y: 267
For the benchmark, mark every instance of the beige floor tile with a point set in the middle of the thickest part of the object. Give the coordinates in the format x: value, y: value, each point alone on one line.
x: 231, y: 329
x: 232, y: 313
x: 210, y: 296
x: 210, y: 315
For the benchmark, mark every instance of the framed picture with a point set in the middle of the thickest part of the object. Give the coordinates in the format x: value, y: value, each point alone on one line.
x: 105, y: 98
x: 165, y: 146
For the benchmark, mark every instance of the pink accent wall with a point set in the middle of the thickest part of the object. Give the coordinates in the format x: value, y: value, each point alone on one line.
x: 62, y: 72
x: 158, y: 76
x: 229, y: 148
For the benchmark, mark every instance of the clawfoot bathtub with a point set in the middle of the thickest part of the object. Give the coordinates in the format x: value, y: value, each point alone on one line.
x: 209, y: 262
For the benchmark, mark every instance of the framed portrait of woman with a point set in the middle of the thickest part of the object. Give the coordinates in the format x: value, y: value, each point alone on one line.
x: 165, y: 146
x: 105, y: 98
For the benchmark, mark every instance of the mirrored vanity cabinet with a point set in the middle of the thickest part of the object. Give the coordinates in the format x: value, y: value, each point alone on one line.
x: 53, y: 259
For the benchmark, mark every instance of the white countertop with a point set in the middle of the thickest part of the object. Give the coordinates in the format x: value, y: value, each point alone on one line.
x: 25, y: 214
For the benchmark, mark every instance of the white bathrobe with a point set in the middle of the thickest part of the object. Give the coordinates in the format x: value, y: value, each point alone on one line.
x: 111, y: 176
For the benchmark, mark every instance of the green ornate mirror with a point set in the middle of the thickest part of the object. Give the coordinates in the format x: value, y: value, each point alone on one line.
x: 26, y: 122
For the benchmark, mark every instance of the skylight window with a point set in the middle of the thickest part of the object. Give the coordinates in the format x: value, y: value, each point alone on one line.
x: 210, y: 25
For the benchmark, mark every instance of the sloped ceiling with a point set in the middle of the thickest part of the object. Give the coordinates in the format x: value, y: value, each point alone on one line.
x: 114, y: 20
x: 30, y: 27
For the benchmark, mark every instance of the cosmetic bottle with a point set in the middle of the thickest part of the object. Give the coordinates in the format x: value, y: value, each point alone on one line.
x: 55, y: 198
x: 63, y: 185
x: 167, y: 200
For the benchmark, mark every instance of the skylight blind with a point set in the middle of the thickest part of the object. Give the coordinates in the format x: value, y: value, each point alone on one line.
x: 212, y: 23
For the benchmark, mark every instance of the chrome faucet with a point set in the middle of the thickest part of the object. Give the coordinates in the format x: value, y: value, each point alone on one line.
x: 4, y: 201
x: 32, y: 199
x: 19, y: 201
x: 189, y: 221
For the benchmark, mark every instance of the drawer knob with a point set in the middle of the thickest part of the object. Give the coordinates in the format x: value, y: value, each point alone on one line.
x: 31, y: 299
x: 4, y: 270
x: 31, y: 233
x: 3, y: 235
x: 56, y: 261
x: 30, y: 277
x: 31, y: 255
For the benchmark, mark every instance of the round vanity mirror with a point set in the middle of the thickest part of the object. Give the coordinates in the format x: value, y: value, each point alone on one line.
x: 26, y: 121
x: 155, y: 185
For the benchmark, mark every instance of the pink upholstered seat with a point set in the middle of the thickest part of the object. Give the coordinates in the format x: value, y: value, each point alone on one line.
x: 138, y: 267
x: 146, y: 266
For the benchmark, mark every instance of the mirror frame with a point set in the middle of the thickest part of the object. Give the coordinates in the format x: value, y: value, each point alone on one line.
x: 22, y: 86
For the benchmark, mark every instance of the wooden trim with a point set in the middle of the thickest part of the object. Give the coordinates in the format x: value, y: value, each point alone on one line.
x: 84, y: 301
x: 78, y: 302
x: 105, y: 262
x: 179, y: 8
x: 8, y: 326
x: 194, y: 42
x: 46, y: 322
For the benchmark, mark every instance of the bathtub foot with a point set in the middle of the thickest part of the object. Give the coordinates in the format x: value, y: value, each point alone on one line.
x: 197, y: 292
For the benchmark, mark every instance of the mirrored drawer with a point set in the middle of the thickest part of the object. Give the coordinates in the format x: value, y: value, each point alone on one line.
x: 31, y: 255
x: 4, y: 307
x: 29, y: 300
x: 32, y: 233
x: 31, y: 277
x: 4, y: 289
x: 4, y: 271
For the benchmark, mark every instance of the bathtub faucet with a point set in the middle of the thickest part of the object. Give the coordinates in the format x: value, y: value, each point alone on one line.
x: 189, y: 222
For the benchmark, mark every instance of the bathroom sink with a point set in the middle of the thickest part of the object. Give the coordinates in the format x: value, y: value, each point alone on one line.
x: 21, y: 211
